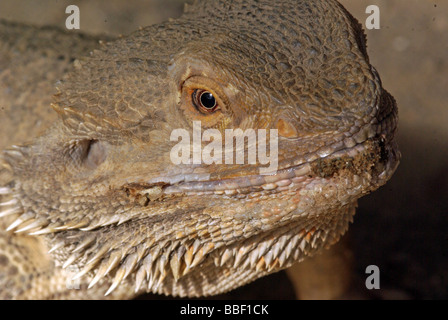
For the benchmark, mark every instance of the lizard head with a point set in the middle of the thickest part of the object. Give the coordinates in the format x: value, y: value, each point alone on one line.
x: 104, y: 188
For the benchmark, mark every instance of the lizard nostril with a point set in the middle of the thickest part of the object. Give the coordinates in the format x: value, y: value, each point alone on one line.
x: 286, y: 129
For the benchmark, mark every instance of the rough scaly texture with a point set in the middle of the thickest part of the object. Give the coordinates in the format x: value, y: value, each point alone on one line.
x: 99, y: 191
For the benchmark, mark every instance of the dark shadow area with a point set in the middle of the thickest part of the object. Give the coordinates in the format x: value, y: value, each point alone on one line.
x: 402, y: 227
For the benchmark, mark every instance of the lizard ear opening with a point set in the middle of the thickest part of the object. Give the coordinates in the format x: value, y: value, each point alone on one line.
x: 96, y: 154
x: 88, y: 153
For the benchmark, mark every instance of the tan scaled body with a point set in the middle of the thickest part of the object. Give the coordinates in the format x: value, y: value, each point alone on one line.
x: 96, y: 199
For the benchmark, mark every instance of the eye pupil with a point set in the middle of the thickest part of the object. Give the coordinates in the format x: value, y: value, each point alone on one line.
x: 204, y: 101
x: 207, y: 100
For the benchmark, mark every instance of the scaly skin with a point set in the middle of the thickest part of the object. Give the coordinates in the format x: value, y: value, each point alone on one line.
x: 99, y: 191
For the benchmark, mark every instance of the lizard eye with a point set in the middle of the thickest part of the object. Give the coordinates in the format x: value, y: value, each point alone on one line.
x: 204, y: 101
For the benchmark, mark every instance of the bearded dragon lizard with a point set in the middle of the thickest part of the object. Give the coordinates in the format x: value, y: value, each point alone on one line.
x: 96, y: 199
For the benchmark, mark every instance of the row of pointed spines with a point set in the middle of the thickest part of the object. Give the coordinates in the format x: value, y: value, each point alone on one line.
x: 150, y: 262
x: 31, y: 223
x: 13, y: 156
x: 9, y: 204
x: 177, y: 260
x: 283, y: 247
x: 273, y: 253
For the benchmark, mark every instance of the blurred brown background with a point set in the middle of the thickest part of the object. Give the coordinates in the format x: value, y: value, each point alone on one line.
x: 403, y: 227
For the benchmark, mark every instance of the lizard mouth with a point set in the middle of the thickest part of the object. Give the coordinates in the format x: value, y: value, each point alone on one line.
x: 375, y: 155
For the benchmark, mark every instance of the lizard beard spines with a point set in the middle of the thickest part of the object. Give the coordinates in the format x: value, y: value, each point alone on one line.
x: 167, y: 268
x: 34, y: 225
x: 8, y: 208
x: 115, y: 261
x: 272, y: 251
x: 151, y: 267
x: 9, y: 204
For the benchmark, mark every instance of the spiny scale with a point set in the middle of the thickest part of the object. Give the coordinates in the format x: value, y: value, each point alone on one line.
x: 51, y: 228
x: 12, y: 201
x: 5, y: 190
x: 242, y: 252
x: 201, y: 254
x: 129, y: 264
x: 123, y: 271
x: 32, y: 224
x: 162, y: 277
x: 175, y: 265
x: 57, y: 246
x: 21, y: 219
x: 10, y: 211
x: 139, y: 278
x: 91, y: 264
x: 100, y: 273
x: 72, y: 258
x: 118, y: 277
x: 99, y: 254
x: 84, y: 244
x: 15, y: 153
